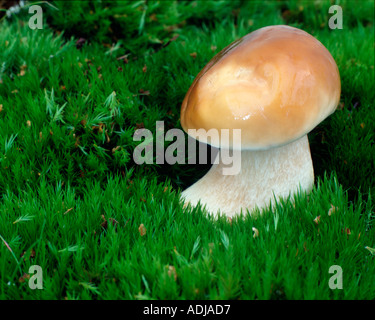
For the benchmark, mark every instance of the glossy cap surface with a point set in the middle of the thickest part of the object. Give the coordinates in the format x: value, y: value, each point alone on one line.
x: 275, y: 84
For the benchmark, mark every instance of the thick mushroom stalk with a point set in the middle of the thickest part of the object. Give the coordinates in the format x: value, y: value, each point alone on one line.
x: 264, y: 176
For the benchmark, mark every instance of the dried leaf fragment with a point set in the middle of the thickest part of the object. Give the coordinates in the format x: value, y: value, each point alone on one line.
x: 143, y: 92
x: 172, y: 272
x: 304, y: 247
x: 332, y: 210
x: 28, y: 255
x: 68, y: 210
x: 115, y: 149
x: 104, y: 224
x: 230, y: 220
x: 211, y: 247
x: 24, y: 278
x: 193, y: 55
x: 140, y: 125
x: 142, y: 230
x: 256, y: 232
x: 317, y: 220
x: 22, y: 70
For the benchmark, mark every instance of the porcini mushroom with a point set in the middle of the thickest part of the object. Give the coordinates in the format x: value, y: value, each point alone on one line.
x: 275, y: 85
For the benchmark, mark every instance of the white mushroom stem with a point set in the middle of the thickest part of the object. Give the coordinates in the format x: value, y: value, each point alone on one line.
x: 264, y: 176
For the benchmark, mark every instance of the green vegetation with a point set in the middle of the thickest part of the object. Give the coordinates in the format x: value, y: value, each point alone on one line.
x: 74, y: 202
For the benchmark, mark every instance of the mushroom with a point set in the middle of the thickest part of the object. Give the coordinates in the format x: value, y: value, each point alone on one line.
x: 274, y: 85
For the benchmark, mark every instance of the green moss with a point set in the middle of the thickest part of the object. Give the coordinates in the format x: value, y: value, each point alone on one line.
x: 72, y: 199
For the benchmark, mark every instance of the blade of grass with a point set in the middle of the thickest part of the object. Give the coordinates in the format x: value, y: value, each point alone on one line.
x: 11, y: 251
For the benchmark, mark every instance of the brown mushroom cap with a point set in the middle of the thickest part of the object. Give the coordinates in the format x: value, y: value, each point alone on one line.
x: 275, y: 84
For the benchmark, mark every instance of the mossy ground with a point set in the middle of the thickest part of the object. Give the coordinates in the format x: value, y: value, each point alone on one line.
x: 73, y: 201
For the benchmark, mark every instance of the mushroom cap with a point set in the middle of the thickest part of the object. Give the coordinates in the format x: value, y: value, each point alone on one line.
x: 274, y: 84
